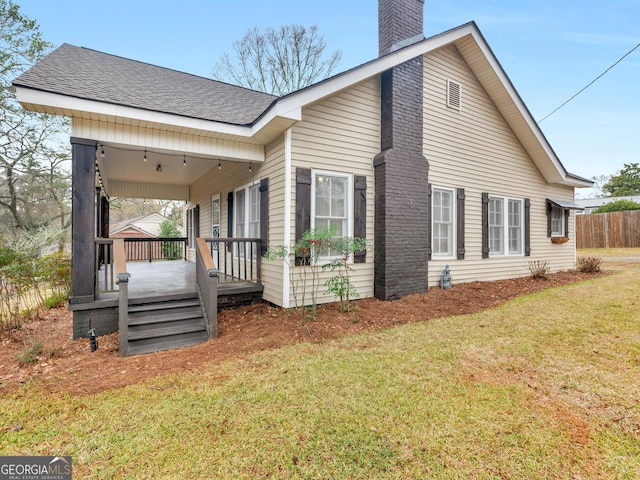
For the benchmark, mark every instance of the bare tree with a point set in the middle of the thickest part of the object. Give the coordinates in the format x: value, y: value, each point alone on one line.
x: 277, y: 61
x: 34, y: 184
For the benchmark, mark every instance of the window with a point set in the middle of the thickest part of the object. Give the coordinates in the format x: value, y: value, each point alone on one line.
x: 557, y: 221
x: 442, y: 215
x: 331, y: 205
x: 506, y: 226
x: 247, y: 214
x: 356, y: 208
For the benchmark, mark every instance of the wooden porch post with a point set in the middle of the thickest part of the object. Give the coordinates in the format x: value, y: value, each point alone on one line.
x: 83, y: 173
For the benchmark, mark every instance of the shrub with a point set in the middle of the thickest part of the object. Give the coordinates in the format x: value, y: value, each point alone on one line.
x: 306, y: 255
x: 589, y: 264
x: 56, y: 300
x: 539, y: 269
x: 30, y: 354
x: 170, y: 250
x: 617, y: 206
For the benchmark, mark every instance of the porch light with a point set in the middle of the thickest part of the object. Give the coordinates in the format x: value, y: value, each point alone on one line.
x: 251, y: 167
x: 184, y: 160
x: 102, y: 152
x: 145, y: 155
x: 159, y: 168
x: 219, y: 165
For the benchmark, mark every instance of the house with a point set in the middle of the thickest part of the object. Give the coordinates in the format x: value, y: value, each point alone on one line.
x: 144, y: 240
x: 143, y: 226
x: 428, y: 151
x: 590, y: 204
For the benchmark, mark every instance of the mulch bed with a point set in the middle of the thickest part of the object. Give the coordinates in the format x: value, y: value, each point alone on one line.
x: 73, y: 368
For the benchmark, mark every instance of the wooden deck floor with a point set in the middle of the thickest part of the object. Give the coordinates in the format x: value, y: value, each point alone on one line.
x: 156, y: 279
x: 163, y: 278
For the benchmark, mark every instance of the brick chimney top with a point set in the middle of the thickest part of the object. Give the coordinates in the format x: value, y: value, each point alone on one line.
x: 400, y: 23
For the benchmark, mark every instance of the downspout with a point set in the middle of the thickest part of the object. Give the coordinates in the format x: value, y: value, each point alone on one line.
x: 286, y: 241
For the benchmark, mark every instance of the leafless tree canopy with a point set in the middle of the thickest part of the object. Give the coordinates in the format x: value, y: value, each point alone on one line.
x: 277, y: 61
x: 34, y: 180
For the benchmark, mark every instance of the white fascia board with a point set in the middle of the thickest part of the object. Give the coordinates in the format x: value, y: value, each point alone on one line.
x: 72, y: 106
x: 576, y: 182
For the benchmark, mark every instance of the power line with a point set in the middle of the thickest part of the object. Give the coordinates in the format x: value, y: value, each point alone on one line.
x: 591, y: 83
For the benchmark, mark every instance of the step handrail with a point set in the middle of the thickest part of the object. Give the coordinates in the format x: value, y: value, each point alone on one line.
x: 207, y: 285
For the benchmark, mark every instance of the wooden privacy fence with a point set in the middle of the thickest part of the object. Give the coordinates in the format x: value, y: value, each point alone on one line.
x: 608, y: 230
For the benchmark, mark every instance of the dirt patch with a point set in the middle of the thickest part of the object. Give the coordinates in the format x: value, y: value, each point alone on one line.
x: 68, y: 365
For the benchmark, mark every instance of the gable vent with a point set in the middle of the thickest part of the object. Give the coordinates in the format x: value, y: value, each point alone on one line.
x: 454, y: 94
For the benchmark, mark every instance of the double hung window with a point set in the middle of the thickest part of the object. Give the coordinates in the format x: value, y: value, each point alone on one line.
x: 443, y: 226
x: 331, y: 205
x: 247, y: 214
x: 557, y: 221
x: 506, y: 226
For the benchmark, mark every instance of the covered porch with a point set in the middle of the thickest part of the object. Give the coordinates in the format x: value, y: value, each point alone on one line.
x: 152, y: 296
x: 152, y: 133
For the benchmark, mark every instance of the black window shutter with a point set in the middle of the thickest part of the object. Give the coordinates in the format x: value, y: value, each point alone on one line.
x: 264, y: 215
x: 566, y: 222
x: 485, y: 225
x: 549, y: 208
x: 430, y: 213
x: 527, y: 227
x: 229, y: 220
x: 189, y: 220
x: 303, y: 204
x: 460, y: 222
x: 196, y: 219
x: 360, y: 214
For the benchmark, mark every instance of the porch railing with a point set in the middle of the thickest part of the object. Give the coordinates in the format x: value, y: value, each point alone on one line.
x: 149, y: 249
x: 237, y: 259
x: 104, y: 267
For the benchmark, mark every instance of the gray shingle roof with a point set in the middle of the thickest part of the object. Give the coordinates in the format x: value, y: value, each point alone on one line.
x: 92, y: 75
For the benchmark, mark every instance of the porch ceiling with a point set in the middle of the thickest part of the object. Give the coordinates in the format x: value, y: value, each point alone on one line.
x: 160, y: 168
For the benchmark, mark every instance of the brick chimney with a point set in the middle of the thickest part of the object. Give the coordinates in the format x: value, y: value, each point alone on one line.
x: 401, y: 172
x: 400, y: 23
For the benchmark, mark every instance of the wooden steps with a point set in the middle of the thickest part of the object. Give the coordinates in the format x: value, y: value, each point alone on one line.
x: 159, y: 324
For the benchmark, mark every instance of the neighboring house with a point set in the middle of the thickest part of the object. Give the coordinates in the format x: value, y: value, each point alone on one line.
x: 141, y: 228
x: 144, y: 226
x: 428, y: 151
x: 590, y: 204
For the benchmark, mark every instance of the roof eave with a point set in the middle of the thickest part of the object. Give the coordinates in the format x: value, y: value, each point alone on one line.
x: 73, y: 107
x: 577, y: 182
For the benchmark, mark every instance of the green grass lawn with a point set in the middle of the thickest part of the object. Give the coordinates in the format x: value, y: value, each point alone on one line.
x: 546, y: 386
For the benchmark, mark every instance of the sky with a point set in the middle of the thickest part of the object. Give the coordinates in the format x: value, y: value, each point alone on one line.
x: 550, y: 49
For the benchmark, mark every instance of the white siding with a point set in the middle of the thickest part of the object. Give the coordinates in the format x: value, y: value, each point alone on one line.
x: 272, y: 271
x: 341, y: 134
x: 475, y: 149
x: 162, y: 139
